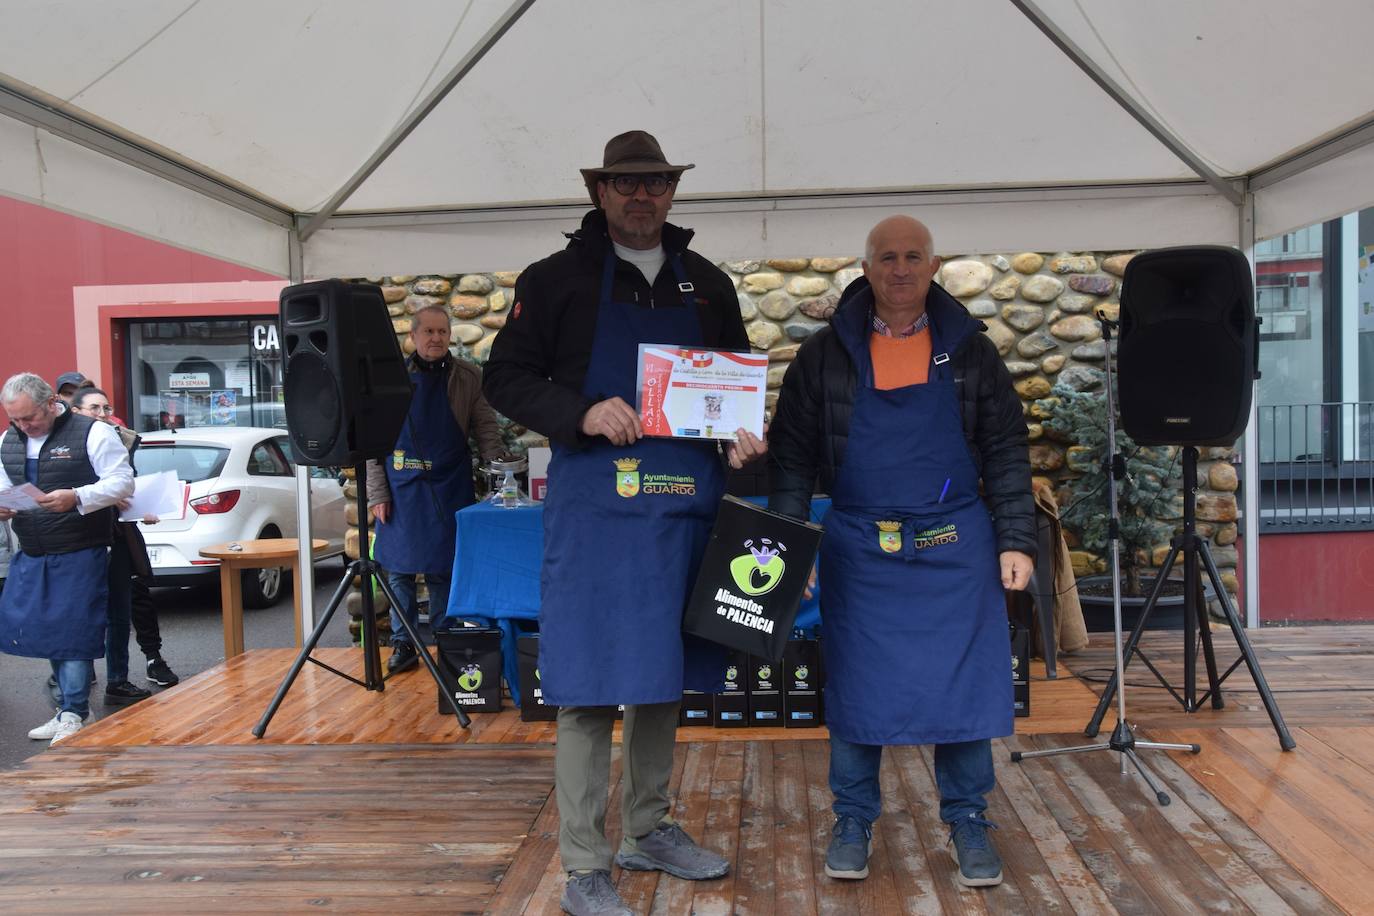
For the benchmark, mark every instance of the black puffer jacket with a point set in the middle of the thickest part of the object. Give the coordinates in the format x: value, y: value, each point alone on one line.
x: 810, y: 429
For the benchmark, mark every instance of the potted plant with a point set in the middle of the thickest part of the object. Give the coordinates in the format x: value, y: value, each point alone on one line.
x: 1151, y: 485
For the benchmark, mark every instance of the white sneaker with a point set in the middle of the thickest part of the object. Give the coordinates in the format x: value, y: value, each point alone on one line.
x: 49, y: 728
x: 68, y: 724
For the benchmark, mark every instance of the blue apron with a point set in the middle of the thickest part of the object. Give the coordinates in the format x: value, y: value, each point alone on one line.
x: 913, y: 618
x: 624, y: 531
x: 54, y: 606
x: 430, y: 474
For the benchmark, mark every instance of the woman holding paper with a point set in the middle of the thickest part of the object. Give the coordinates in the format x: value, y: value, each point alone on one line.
x: 131, y: 604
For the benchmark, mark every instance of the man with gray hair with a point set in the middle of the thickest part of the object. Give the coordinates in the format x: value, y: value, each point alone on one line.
x: 54, y: 603
x: 903, y: 412
x: 428, y: 477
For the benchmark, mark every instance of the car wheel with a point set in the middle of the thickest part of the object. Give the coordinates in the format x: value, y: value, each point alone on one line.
x: 262, y: 587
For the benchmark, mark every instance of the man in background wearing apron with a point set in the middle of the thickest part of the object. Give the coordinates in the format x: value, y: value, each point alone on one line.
x: 414, y: 492
x: 626, y: 517
x: 901, y: 409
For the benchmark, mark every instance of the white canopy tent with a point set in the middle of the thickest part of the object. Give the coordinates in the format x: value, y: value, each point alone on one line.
x: 347, y: 137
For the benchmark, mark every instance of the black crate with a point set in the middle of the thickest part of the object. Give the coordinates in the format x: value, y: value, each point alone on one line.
x: 1020, y: 670
x: 696, y: 709
x: 470, y: 667
x: 532, y: 705
x: 765, y: 692
x: 801, y: 680
x: 731, y: 705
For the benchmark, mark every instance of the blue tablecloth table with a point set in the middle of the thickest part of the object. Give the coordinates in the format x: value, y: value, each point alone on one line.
x: 496, y: 566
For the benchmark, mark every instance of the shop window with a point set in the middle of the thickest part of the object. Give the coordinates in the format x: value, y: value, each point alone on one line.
x: 205, y: 372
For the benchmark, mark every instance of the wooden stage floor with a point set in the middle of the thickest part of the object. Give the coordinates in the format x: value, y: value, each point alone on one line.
x: 364, y: 802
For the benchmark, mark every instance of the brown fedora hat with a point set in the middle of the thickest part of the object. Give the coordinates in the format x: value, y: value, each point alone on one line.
x: 633, y: 152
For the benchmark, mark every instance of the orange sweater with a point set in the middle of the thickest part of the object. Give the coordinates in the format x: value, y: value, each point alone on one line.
x: 900, y: 361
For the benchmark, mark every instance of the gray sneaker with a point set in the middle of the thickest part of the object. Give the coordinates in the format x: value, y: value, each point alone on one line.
x: 979, y: 863
x: 668, y: 848
x: 850, y: 846
x: 590, y: 893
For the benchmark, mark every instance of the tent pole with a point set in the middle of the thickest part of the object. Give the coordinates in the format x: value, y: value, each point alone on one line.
x: 418, y: 115
x: 1250, y: 457
x: 1041, y: 20
x: 305, y: 532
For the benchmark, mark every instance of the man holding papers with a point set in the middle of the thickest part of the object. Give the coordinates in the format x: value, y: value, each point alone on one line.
x: 627, y: 517
x: 903, y: 410
x: 54, y: 603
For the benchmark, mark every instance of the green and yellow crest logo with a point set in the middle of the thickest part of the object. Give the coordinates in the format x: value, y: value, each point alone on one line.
x: 627, y: 476
x: 398, y: 460
x: 890, y: 536
x: 470, y: 678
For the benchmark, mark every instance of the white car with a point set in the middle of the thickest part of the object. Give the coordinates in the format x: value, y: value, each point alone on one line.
x: 242, y: 487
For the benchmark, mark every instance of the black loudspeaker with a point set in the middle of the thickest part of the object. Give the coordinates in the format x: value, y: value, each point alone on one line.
x: 1188, y: 349
x: 346, y: 386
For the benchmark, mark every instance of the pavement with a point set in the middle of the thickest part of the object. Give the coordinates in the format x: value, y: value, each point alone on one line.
x: 192, y: 641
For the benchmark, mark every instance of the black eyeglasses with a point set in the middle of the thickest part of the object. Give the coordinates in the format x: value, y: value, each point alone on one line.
x: 95, y: 408
x: 654, y: 185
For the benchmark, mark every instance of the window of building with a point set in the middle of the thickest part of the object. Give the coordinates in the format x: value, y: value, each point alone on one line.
x: 1314, y: 296
x: 204, y: 372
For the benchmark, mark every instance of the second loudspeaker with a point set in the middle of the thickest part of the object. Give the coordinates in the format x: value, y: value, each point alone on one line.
x: 1188, y: 346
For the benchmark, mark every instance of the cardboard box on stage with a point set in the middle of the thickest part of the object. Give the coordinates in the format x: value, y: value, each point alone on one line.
x: 1020, y: 670
x: 752, y: 577
x: 532, y: 705
x: 470, y: 667
x: 697, y: 708
x: 765, y: 692
x: 539, y: 458
x: 732, y: 704
x: 801, y: 679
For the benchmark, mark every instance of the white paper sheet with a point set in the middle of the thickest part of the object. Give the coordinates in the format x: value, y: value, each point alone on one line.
x: 159, y: 494
x: 20, y: 498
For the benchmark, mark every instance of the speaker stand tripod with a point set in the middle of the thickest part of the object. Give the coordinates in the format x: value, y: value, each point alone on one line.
x: 1195, y: 624
x: 1123, y: 740
x: 373, y: 679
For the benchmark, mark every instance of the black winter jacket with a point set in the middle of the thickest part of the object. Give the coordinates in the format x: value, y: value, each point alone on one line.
x: 810, y: 429
x: 539, y: 360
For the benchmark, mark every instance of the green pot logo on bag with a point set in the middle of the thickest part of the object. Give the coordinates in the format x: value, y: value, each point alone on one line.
x: 760, y: 570
x: 470, y: 678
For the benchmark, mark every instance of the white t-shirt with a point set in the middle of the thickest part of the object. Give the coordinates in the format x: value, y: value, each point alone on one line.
x: 648, y: 260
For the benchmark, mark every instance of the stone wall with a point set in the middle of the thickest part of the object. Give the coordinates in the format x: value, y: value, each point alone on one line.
x: 1038, y: 308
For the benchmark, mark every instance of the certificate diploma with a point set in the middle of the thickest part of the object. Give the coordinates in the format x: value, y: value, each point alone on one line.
x: 693, y: 393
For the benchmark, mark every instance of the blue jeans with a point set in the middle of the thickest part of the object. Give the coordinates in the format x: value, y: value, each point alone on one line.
x: 118, y: 612
x: 403, y: 584
x: 74, y: 680
x: 963, y: 774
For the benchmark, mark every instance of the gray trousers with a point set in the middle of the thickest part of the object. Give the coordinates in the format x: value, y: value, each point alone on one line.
x: 582, y: 776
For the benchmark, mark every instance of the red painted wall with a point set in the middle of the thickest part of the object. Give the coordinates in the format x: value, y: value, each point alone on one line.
x: 44, y: 253
x: 1317, y: 577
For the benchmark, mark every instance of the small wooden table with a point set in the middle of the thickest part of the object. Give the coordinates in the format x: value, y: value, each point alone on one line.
x: 253, y: 555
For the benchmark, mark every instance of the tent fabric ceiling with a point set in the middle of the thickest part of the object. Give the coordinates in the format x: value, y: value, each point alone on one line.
x: 893, y: 103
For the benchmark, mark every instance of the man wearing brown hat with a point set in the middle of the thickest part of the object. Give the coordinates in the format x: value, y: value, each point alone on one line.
x: 619, y: 558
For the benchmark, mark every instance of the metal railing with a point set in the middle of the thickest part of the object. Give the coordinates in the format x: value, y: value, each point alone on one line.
x: 1317, y: 466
